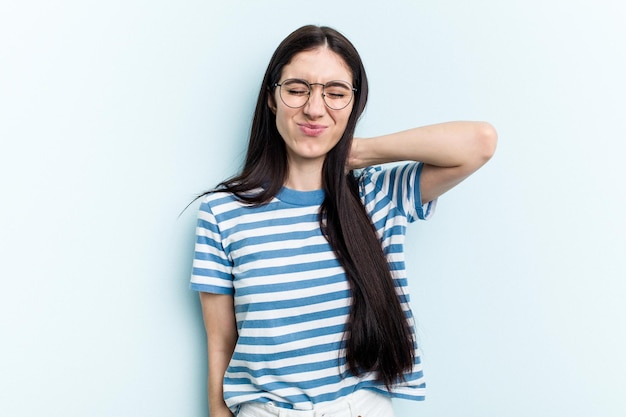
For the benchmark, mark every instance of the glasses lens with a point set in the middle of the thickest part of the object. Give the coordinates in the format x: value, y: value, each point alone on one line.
x: 337, y: 94
x: 294, y: 93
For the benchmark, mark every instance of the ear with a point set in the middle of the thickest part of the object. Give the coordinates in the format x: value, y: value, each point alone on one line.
x: 271, y: 102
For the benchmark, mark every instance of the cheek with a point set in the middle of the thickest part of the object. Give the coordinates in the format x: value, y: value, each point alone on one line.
x: 281, y: 122
x: 342, y: 120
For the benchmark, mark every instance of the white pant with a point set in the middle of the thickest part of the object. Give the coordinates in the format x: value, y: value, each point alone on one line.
x: 361, y: 403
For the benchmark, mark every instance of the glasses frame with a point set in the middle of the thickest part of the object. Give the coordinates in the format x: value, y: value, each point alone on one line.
x: 310, y: 85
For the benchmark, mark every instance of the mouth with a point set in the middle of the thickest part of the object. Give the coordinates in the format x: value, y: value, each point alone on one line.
x: 310, y: 129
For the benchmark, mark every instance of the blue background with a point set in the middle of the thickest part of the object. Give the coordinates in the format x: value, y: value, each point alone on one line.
x: 114, y: 115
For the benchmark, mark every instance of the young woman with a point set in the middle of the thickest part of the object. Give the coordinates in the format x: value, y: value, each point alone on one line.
x: 299, y: 260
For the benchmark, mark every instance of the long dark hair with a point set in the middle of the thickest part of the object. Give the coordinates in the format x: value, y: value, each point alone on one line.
x: 378, y: 338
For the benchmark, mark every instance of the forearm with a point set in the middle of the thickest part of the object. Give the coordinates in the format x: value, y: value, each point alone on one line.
x: 221, y: 331
x: 218, y: 362
x: 451, y: 144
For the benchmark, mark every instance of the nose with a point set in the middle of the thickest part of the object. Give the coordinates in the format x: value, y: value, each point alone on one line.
x: 315, y: 107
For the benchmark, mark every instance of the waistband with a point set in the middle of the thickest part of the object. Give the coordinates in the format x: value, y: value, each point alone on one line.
x: 361, y: 403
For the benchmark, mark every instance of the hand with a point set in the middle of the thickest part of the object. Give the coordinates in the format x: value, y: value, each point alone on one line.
x: 354, y: 160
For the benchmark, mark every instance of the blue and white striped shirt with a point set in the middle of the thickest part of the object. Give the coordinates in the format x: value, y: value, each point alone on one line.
x: 291, y: 295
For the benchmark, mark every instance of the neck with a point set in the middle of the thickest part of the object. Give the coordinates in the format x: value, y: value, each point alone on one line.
x: 305, y: 177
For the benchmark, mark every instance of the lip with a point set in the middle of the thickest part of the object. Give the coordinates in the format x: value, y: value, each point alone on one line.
x: 311, y: 129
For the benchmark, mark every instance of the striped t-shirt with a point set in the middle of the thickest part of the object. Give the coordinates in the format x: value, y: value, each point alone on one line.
x: 291, y: 295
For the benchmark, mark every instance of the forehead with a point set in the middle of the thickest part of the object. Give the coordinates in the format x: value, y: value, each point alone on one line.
x: 317, y: 65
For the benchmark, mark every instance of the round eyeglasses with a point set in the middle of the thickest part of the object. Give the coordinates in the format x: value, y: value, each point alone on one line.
x: 295, y: 93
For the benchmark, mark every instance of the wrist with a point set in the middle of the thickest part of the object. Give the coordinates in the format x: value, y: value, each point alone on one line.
x: 219, y: 409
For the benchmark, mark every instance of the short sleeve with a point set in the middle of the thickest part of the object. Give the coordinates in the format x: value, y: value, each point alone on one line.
x: 401, y: 185
x: 212, y: 268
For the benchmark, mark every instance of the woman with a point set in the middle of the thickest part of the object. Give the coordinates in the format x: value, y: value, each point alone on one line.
x: 299, y: 261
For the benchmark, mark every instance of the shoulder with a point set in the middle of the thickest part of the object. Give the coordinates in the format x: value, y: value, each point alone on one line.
x: 394, y: 186
x: 224, y: 200
x: 382, y: 177
x: 215, y: 198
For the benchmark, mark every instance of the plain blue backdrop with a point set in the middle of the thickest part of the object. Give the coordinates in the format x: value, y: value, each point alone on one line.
x: 114, y: 115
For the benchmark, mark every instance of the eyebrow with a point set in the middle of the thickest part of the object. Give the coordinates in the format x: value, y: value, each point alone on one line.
x: 314, y: 83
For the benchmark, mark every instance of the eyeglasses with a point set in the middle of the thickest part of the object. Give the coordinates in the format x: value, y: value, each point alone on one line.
x: 295, y: 93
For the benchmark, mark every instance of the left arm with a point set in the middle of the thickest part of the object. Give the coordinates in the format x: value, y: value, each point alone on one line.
x: 450, y: 152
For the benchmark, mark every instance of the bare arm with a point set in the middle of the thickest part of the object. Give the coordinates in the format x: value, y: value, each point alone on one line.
x: 450, y: 151
x: 218, y: 313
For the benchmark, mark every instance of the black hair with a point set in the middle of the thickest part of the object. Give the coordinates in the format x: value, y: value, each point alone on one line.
x: 378, y: 337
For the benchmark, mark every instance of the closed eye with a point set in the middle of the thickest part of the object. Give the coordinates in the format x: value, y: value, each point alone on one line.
x: 298, y: 92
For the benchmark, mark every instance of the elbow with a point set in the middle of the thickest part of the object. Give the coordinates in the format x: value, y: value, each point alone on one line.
x: 486, y: 139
